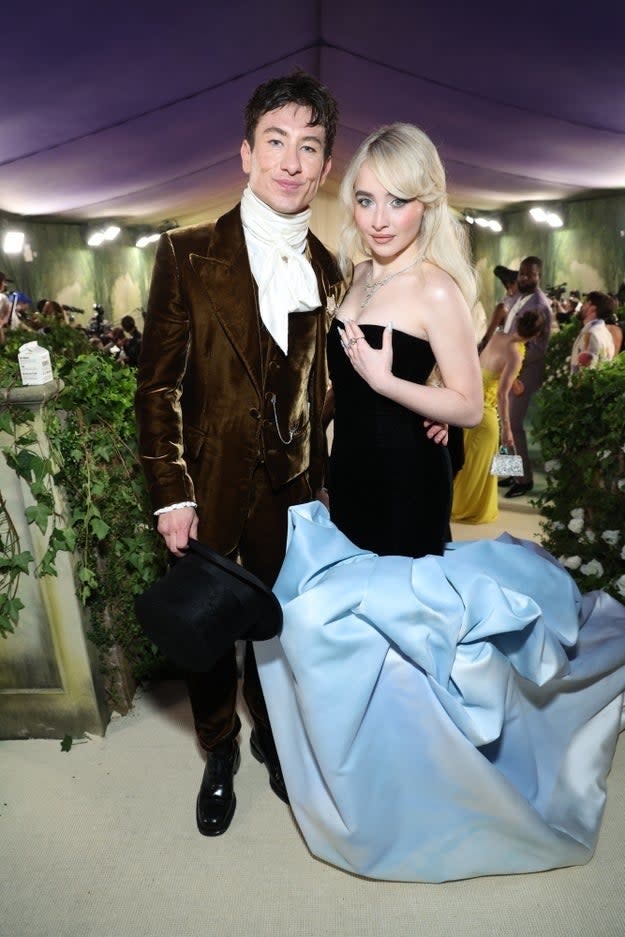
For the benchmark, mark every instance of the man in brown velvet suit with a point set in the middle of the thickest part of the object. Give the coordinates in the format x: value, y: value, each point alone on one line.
x: 231, y: 385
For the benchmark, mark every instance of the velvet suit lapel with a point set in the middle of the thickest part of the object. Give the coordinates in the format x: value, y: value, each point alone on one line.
x: 331, y: 289
x: 226, y: 276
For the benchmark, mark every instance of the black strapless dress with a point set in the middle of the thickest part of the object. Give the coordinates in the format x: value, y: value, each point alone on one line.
x: 390, y: 486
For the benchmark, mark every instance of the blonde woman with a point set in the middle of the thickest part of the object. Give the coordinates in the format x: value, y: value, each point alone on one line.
x: 422, y: 708
x: 407, y: 311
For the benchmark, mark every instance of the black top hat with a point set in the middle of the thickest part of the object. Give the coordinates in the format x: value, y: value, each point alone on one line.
x: 202, y: 605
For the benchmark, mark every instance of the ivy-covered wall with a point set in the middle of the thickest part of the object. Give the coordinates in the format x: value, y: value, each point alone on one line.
x: 63, y: 267
x: 588, y: 252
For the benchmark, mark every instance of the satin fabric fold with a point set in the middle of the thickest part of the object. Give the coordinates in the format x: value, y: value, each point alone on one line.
x: 444, y: 717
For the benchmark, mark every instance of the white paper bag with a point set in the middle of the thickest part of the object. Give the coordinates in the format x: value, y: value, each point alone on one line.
x: 34, y: 362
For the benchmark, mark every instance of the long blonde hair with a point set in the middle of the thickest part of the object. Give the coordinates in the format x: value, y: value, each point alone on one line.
x: 407, y: 164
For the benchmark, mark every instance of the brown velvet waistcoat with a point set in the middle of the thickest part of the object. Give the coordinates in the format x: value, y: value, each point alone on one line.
x: 203, y: 401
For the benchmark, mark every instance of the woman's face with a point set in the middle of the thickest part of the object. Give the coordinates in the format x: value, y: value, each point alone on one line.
x: 389, y: 225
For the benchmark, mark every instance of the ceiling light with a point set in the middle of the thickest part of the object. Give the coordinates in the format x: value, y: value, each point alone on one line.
x: 146, y: 239
x: 97, y: 236
x: 95, y: 239
x: 554, y: 220
x: 483, y: 221
x: 13, y: 242
x: 538, y: 214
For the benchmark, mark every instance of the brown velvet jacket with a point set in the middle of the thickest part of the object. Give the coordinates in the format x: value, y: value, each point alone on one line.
x: 204, y: 398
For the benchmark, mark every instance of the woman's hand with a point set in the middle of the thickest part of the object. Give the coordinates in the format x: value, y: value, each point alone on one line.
x: 438, y: 432
x: 372, y: 364
x: 507, y: 439
x: 322, y: 495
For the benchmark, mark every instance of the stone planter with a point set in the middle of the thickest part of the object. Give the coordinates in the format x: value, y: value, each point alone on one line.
x: 50, y: 682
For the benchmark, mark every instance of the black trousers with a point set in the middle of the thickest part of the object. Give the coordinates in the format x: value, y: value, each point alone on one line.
x: 261, y: 550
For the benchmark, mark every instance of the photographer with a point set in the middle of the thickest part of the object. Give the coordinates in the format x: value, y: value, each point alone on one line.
x: 132, y: 346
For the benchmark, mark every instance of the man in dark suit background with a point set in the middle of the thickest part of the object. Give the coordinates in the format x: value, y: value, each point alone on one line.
x: 231, y: 384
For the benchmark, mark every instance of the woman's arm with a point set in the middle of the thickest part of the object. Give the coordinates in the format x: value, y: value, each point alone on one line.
x: 506, y: 380
x: 498, y: 318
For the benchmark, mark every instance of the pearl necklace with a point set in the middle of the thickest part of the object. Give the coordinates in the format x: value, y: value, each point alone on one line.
x: 371, y: 287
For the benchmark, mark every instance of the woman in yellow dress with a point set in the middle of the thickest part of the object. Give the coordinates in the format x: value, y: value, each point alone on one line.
x: 475, y: 498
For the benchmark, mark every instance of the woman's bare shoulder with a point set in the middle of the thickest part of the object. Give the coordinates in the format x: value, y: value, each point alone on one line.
x: 439, y: 286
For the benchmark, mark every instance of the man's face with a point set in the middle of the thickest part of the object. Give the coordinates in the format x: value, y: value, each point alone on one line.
x: 588, y: 312
x: 529, y: 278
x: 286, y: 165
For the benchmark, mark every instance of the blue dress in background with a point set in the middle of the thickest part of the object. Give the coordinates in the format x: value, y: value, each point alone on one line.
x: 443, y: 717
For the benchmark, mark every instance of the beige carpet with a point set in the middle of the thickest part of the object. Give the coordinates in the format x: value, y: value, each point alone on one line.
x: 101, y: 841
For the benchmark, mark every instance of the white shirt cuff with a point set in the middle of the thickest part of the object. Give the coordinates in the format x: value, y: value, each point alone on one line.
x: 174, y: 507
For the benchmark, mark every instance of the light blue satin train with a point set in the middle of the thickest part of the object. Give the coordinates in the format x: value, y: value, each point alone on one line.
x: 444, y: 717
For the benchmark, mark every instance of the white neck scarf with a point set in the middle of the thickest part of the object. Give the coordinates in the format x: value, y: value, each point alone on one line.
x: 285, y: 278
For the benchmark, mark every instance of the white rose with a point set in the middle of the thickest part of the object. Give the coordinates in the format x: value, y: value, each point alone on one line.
x: 605, y: 454
x: 572, y: 562
x: 623, y: 553
x: 620, y: 585
x: 577, y: 512
x: 594, y: 568
x: 610, y: 536
x: 552, y: 465
x: 621, y: 484
x: 576, y: 525
x: 590, y: 536
x: 557, y: 525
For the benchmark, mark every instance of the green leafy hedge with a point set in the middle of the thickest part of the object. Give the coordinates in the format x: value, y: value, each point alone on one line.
x: 579, y: 423
x: 91, y: 428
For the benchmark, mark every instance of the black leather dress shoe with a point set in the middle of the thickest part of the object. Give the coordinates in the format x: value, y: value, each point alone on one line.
x: 264, y: 750
x: 216, y: 800
x: 518, y: 489
x: 505, y: 482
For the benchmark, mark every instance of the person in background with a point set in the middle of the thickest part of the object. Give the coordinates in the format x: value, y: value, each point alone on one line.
x: 508, y: 279
x: 530, y: 296
x: 475, y: 489
x: 51, y: 313
x: 594, y: 343
x: 5, y: 306
x: 613, y: 326
x: 132, y: 345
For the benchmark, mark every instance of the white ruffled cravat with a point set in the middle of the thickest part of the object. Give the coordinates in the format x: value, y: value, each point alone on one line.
x: 284, y: 275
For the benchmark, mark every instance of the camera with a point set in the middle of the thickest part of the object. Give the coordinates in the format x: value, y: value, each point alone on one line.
x: 556, y: 292
x: 96, y: 324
